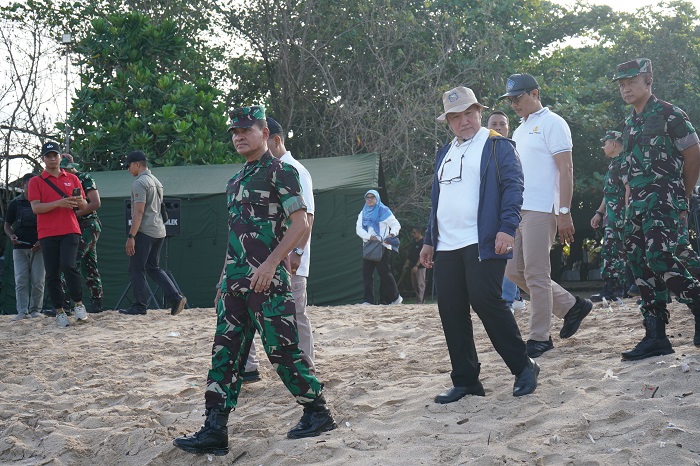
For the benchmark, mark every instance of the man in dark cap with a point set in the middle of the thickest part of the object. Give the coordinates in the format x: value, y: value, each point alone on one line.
x: 543, y: 141
x: 662, y: 164
x: 55, y: 195
x: 145, y: 238
x: 612, y: 210
x: 90, y: 226
x: 299, y: 258
x: 20, y: 227
x: 267, y: 220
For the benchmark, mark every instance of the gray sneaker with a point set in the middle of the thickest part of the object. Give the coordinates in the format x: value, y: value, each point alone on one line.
x: 36, y: 314
x: 21, y: 315
x: 62, y: 320
x: 80, y: 312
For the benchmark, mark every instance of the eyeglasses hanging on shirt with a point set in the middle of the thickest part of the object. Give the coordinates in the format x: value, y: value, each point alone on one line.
x: 457, y: 178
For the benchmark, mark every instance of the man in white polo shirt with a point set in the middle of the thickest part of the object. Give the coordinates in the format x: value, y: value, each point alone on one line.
x: 543, y: 141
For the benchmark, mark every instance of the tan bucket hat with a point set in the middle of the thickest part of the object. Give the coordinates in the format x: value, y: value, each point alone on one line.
x: 458, y: 100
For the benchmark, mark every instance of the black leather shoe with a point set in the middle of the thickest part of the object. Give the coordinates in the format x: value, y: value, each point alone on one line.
x: 535, y: 348
x: 95, y: 306
x: 133, y: 311
x: 250, y: 377
x: 212, y: 438
x: 573, y: 318
x: 317, y: 418
x: 526, y: 381
x: 457, y: 393
x: 178, y: 305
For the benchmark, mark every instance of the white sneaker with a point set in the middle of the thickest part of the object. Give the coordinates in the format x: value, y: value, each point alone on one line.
x: 399, y: 300
x: 62, y: 320
x: 21, y: 315
x: 80, y: 312
x: 519, y: 305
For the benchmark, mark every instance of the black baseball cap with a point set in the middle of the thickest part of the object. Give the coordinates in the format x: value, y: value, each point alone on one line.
x: 135, y: 156
x: 519, y: 83
x: 49, y: 147
x: 274, y: 126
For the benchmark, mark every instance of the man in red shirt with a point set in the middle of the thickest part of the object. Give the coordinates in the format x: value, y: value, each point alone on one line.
x: 54, y: 196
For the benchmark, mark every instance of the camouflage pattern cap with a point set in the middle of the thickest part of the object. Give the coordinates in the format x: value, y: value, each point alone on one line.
x: 68, y: 162
x: 632, y: 68
x: 614, y: 135
x: 244, y: 117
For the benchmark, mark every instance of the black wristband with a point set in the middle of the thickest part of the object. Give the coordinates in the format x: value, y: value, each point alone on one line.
x: 600, y: 213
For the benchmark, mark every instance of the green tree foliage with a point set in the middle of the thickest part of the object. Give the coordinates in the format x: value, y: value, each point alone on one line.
x: 351, y: 77
x: 135, y: 95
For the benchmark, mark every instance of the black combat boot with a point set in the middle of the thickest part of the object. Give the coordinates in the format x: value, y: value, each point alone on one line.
x: 317, y: 419
x: 608, y: 292
x: 654, y: 343
x: 95, y: 306
x: 211, y: 438
x: 696, y: 312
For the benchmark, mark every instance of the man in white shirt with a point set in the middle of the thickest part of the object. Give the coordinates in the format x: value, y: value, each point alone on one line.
x: 543, y: 141
x: 299, y: 257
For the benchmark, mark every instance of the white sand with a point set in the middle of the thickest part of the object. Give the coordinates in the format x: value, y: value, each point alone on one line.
x: 117, y: 390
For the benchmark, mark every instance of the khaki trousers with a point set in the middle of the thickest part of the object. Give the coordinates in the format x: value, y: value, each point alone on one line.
x: 531, y: 270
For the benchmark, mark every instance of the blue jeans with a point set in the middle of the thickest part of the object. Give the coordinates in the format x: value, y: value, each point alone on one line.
x: 510, y: 291
x: 29, y: 280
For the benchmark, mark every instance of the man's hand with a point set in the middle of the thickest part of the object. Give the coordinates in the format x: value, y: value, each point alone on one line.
x: 565, y: 226
x: 426, y: 256
x: 36, y: 247
x: 504, y: 243
x: 263, y: 276
x: 294, y: 262
x: 217, y: 298
x: 595, y: 221
x: 130, y: 246
x: 14, y: 240
x: 67, y: 202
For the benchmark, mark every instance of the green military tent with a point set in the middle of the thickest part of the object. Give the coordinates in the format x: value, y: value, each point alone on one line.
x: 195, y: 257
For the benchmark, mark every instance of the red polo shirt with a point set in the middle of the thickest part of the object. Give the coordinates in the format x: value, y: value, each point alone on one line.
x: 59, y: 221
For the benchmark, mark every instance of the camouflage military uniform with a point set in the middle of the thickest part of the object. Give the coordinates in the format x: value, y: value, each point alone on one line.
x: 90, y: 227
x: 613, y: 250
x: 260, y: 199
x: 653, y: 141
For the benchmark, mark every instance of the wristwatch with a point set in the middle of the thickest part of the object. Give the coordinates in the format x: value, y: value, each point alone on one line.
x: 564, y: 210
x: 298, y: 251
x: 130, y: 236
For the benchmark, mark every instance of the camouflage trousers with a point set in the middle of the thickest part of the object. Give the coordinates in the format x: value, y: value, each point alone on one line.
x: 239, y: 315
x: 87, y: 257
x: 652, y: 243
x: 614, y: 255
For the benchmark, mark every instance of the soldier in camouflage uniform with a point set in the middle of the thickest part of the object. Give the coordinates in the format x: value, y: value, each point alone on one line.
x: 90, y: 227
x: 612, y: 211
x: 267, y: 218
x: 662, y: 164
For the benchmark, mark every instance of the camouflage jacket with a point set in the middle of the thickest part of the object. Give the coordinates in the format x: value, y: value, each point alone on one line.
x: 614, y: 193
x: 89, y: 184
x: 261, y: 197
x: 652, y: 142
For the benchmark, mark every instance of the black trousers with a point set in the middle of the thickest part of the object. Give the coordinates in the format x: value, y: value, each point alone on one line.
x: 462, y: 280
x: 388, y: 291
x: 146, y: 258
x: 60, y: 253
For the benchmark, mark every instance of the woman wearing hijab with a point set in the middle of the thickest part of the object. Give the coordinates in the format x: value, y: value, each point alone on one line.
x: 377, y: 223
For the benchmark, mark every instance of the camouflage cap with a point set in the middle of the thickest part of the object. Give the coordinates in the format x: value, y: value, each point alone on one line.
x: 614, y: 135
x: 68, y: 162
x: 632, y: 68
x: 244, y: 117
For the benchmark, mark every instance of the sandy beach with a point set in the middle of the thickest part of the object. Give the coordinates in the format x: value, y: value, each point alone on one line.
x: 116, y: 391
